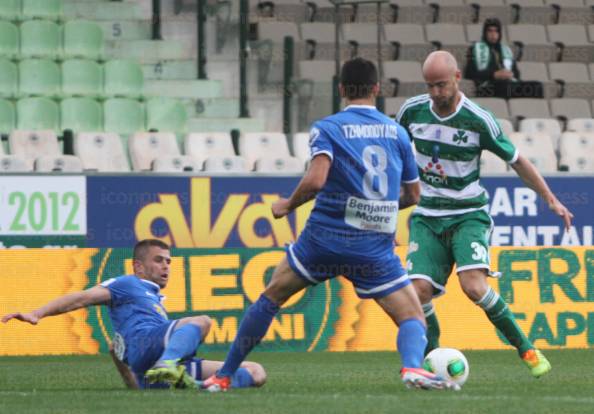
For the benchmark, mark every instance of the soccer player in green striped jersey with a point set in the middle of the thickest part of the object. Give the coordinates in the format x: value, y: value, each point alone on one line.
x: 451, y: 224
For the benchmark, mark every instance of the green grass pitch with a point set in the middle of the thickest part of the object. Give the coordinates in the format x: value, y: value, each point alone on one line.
x: 305, y: 383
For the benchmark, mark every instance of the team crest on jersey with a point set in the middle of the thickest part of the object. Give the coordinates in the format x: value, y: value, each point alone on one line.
x: 460, y: 137
x: 159, y: 309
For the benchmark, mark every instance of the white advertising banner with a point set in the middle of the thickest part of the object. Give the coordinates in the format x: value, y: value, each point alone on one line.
x: 41, y: 205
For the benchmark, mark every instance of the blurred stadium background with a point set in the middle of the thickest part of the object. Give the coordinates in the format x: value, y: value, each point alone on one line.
x: 185, y: 119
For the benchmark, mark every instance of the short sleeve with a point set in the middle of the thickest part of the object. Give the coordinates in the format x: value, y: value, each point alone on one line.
x: 410, y: 172
x: 119, y: 287
x: 319, y: 141
x: 493, y: 139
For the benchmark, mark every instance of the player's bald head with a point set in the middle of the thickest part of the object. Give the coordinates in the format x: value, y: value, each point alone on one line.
x: 440, y: 64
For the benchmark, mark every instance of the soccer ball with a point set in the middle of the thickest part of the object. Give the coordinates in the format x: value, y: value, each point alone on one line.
x: 448, y: 363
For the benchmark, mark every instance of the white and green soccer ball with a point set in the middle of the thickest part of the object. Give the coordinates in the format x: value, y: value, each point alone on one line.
x: 448, y: 363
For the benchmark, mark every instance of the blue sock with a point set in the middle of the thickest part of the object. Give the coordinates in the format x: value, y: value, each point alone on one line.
x: 411, y: 342
x: 253, y: 327
x: 183, y: 342
x: 242, y: 379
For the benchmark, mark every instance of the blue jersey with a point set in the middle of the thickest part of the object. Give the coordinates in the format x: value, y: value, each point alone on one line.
x: 135, y: 306
x: 371, y: 155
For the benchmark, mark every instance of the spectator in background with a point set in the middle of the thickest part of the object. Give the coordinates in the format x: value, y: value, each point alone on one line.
x: 492, y: 67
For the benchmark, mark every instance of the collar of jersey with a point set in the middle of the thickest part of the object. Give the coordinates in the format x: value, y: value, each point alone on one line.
x: 359, y: 107
x: 453, y: 114
x: 153, y: 284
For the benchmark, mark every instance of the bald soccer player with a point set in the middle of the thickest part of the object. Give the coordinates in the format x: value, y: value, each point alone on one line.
x: 451, y: 223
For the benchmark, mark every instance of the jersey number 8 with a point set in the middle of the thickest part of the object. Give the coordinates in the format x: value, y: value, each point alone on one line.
x: 375, y: 180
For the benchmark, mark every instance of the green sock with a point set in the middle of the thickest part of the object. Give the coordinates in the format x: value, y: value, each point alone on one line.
x: 432, y: 327
x: 499, y: 314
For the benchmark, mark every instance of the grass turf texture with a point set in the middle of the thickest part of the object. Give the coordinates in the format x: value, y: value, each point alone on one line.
x: 304, y: 383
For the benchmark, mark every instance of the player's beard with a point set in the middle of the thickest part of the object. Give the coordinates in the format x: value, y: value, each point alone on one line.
x: 443, y: 104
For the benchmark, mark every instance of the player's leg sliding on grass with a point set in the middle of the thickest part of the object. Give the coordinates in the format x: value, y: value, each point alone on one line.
x: 249, y: 374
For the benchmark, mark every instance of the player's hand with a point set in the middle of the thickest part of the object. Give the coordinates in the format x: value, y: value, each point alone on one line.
x: 563, y: 212
x: 23, y: 317
x: 503, y: 74
x: 280, y: 208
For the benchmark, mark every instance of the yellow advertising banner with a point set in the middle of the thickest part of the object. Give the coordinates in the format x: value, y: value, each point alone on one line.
x: 550, y: 290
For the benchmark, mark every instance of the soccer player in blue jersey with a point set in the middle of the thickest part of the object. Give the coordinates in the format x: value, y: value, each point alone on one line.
x: 359, y: 159
x: 153, y: 351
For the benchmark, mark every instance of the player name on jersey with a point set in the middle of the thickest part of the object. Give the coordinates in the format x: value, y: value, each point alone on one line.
x: 370, y: 131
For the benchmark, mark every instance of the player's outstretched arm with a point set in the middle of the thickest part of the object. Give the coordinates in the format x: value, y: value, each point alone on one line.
x: 124, y: 371
x: 530, y: 175
x: 97, y: 295
x: 311, y: 183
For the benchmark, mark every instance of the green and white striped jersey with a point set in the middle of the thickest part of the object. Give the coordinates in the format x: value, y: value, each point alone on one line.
x: 448, y: 151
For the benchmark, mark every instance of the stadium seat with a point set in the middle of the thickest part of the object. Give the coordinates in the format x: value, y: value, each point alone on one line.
x: 278, y: 11
x: 281, y: 165
x: 581, y: 125
x: 201, y: 146
x: 531, y: 12
x: 492, y: 164
x: 361, y: 40
x: 30, y: 145
x: 39, y: 77
x: 453, y: 12
x: 448, y: 37
x: 576, y: 152
x: 42, y: 9
x: 520, y: 108
x: 574, y: 77
x: 123, y: 116
x: 145, y: 147
x: 405, y: 78
x: 123, y: 78
x: 38, y: 114
x: 14, y: 164
x: 8, y: 79
x: 572, y: 11
x: 81, y: 114
x: 222, y: 164
x: 166, y: 115
x: 413, y: 11
x: 506, y: 126
x: 9, y: 40
x: 569, y: 108
x: 538, y: 71
x: 319, y: 41
x: 317, y: 70
x: 324, y: 11
x: 82, y: 78
x: 40, y: 39
x: 573, y: 40
x: 261, y: 144
x: 83, y: 39
x: 102, y: 152
x: 301, y: 147
x: 408, y: 41
x: 496, y: 106
x: 490, y: 8
x: 175, y: 164
x: 531, y: 43
x: 7, y: 117
x: 538, y: 148
x: 59, y: 163
x: 550, y: 127
x: 10, y: 9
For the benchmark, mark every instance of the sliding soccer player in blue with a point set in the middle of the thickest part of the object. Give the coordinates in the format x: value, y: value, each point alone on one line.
x: 359, y: 159
x: 150, y: 350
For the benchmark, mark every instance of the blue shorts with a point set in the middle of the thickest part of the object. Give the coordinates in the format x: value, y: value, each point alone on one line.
x: 148, y: 345
x: 374, y: 276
